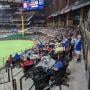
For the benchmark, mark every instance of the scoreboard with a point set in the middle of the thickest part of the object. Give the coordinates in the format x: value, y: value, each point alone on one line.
x: 33, y: 4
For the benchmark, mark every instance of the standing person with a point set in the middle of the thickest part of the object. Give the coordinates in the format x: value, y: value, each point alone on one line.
x: 72, y: 47
x: 72, y: 39
x: 9, y: 62
x: 78, y: 47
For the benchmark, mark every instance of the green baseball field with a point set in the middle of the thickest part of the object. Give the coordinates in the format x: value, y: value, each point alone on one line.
x: 11, y: 47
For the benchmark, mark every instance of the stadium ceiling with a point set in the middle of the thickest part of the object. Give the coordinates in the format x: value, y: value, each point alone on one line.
x: 12, y: 3
x: 16, y: 1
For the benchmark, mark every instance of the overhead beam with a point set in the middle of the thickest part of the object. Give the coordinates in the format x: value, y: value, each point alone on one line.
x: 16, y: 1
x: 9, y: 2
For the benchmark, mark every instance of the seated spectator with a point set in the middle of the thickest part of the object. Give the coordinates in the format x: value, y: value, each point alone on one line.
x: 51, y: 52
x: 67, y: 47
x: 28, y: 58
x: 26, y: 65
x: 48, y: 49
x: 17, y: 57
x: 39, y: 52
x: 57, y: 66
x: 40, y: 45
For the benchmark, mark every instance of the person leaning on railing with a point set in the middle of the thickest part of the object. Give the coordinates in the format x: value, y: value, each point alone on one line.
x: 9, y: 62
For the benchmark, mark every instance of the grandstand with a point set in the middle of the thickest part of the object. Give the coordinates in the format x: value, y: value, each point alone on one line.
x: 44, y: 45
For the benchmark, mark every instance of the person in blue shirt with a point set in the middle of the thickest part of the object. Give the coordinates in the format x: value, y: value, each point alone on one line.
x: 78, y: 47
x: 40, y: 45
x: 17, y: 57
x: 67, y: 45
x: 57, y: 66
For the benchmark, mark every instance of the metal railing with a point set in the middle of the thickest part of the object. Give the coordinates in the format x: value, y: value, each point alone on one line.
x: 84, y: 28
x: 85, y: 31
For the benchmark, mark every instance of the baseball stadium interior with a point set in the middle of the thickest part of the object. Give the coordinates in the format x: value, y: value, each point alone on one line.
x: 44, y: 44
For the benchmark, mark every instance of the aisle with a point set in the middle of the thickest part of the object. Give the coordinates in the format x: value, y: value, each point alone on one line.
x: 77, y: 78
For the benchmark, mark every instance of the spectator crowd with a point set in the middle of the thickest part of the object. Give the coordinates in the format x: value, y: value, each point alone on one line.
x: 53, y: 50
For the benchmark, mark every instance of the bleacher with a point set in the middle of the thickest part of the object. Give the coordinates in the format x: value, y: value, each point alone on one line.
x: 26, y: 78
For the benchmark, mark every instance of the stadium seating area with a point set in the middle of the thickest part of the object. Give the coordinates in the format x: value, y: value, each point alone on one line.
x: 43, y: 57
x: 44, y: 45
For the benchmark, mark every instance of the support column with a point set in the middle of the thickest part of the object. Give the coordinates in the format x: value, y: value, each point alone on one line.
x: 53, y: 22
x: 59, y: 22
x: 81, y: 16
x: 67, y: 19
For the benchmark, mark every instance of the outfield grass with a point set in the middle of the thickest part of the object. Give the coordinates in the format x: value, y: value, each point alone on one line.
x: 12, y: 46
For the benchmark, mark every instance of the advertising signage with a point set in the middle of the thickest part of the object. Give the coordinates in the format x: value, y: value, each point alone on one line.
x: 33, y: 4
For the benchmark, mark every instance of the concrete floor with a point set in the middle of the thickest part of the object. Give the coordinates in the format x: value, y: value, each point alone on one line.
x: 78, y: 79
